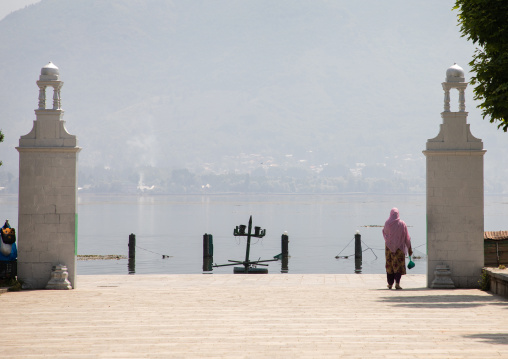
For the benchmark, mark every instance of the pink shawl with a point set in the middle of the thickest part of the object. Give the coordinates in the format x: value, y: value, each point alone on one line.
x: 395, y: 233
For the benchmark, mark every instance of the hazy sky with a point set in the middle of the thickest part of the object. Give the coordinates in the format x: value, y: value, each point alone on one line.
x: 311, y: 84
x: 8, y: 6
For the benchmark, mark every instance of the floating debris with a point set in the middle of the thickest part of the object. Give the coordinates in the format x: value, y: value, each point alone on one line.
x: 376, y: 225
x: 98, y: 257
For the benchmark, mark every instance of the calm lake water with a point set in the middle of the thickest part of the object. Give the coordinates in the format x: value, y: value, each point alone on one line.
x: 319, y: 227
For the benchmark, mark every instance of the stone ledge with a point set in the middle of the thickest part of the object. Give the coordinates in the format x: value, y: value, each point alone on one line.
x: 498, y: 281
x: 48, y: 149
x: 457, y: 152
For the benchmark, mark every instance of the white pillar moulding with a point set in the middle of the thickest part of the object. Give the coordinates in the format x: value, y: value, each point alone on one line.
x: 455, y: 193
x: 47, y: 209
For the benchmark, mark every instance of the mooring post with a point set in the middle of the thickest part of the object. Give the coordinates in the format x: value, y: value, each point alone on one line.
x: 207, y: 252
x: 358, y: 252
x: 132, y: 245
x: 285, y: 245
x: 132, y: 254
x: 285, y: 252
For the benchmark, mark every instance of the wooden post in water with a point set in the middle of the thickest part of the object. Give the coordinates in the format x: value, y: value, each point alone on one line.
x: 132, y: 254
x: 132, y: 245
x: 285, y: 252
x: 207, y: 252
x: 358, y: 252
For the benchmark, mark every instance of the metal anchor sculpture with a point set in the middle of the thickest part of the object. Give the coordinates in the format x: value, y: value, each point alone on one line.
x: 239, y: 231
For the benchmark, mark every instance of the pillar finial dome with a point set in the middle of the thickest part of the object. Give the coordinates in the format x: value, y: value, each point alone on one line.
x: 49, y: 73
x: 50, y: 77
x: 455, y: 73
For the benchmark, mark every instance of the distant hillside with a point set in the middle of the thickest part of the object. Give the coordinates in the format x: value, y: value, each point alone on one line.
x: 184, y: 83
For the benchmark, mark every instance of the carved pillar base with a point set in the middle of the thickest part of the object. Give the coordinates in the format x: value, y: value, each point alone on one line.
x: 59, y: 279
x: 442, y: 278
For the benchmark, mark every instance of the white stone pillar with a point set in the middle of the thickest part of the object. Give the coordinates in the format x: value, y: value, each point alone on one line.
x: 47, y: 218
x: 462, y: 100
x: 455, y: 195
x: 446, y: 99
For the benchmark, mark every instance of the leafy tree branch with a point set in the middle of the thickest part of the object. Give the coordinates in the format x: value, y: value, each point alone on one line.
x: 484, y: 22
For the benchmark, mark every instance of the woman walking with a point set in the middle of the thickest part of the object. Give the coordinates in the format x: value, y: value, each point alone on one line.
x: 397, y: 245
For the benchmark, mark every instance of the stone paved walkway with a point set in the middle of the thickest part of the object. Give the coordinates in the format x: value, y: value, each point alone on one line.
x: 253, y: 316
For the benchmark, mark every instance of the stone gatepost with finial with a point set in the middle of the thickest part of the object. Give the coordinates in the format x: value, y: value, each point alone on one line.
x: 454, y: 195
x: 47, y: 218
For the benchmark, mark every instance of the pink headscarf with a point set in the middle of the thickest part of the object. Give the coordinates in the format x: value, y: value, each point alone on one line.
x: 395, y: 233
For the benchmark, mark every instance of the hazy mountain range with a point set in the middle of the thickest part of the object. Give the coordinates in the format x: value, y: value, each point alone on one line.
x: 241, y: 86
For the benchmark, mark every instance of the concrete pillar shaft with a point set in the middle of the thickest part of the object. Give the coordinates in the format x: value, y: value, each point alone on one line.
x: 455, y: 193
x: 47, y: 210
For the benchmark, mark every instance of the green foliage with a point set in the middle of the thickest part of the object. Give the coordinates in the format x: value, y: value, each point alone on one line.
x: 13, y: 284
x: 484, y: 281
x: 484, y: 23
x: 16, y: 286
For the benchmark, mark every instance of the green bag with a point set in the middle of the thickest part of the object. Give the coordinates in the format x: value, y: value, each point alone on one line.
x: 411, y: 264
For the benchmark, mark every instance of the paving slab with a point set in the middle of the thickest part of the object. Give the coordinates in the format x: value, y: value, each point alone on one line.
x: 253, y: 316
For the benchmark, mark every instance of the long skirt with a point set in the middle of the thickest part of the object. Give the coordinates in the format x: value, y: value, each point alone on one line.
x: 395, y: 262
